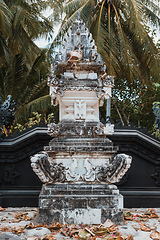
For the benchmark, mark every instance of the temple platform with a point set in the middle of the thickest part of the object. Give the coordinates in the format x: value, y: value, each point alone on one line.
x: 80, y: 204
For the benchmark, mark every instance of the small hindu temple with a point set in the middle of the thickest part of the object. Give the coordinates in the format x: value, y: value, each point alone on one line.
x: 80, y: 166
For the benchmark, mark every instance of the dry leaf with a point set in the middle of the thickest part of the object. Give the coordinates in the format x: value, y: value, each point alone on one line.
x: 55, y: 226
x: 64, y: 232
x: 108, y: 223
x: 100, y: 231
x: 48, y: 238
x: 128, y: 216
x: 154, y: 215
x: 2, y: 209
x: 17, y: 230
x: 144, y: 227
x: 155, y: 235
x: 83, y: 234
x: 148, y: 212
x: 23, y: 216
x: 120, y: 238
x: 130, y: 237
x: 92, y: 234
x: 112, y: 229
x: 151, y: 213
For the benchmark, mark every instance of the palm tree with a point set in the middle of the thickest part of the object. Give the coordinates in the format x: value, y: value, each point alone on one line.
x: 23, y: 66
x: 119, y: 30
x: 22, y: 21
x: 5, y: 28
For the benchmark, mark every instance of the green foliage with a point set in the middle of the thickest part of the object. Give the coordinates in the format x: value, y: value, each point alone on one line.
x: 120, y: 31
x: 132, y: 104
x: 34, y: 120
x: 135, y: 102
x: 155, y: 131
x: 122, y: 40
x: 23, y: 66
x: 127, y: 46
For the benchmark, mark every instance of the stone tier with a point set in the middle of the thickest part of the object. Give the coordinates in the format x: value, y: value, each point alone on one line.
x: 80, y: 203
x: 80, y: 81
x: 81, y: 145
x: 81, y: 66
x: 80, y: 129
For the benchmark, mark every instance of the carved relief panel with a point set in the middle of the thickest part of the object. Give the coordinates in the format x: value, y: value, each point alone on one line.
x: 79, y: 105
x: 80, y: 109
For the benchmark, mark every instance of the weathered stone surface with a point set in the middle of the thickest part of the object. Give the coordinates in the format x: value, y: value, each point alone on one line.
x: 10, y: 236
x: 80, y: 162
x: 77, y: 129
x: 32, y: 238
x: 127, y: 230
x: 39, y: 232
x: 74, y: 166
x: 80, y: 203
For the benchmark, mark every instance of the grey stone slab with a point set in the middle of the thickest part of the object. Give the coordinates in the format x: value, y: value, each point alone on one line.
x: 68, y: 75
x: 127, y: 230
x: 39, y: 232
x: 10, y: 236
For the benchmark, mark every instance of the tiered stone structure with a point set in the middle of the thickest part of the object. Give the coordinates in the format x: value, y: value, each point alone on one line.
x: 80, y: 165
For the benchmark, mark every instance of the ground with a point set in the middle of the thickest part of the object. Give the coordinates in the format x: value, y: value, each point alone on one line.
x: 20, y: 224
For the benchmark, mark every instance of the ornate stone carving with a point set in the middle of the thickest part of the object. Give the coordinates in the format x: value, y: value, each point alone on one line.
x: 53, y: 129
x: 116, y: 169
x: 76, y: 41
x: 75, y: 56
x: 80, y: 153
x: 156, y: 176
x: 99, y: 129
x: 123, y: 180
x: 80, y: 109
x: 46, y: 171
x: 10, y: 174
x: 7, y: 110
x: 156, y: 111
x: 80, y: 169
x: 107, y: 80
x: 52, y: 80
x: 72, y: 129
x: 109, y: 129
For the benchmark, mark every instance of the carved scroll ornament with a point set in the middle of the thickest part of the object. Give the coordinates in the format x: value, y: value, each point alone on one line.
x: 86, y: 171
x: 47, y: 172
x: 116, y: 169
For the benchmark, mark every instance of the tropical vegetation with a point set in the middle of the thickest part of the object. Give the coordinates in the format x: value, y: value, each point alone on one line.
x: 23, y: 66
x: 119, y: 28
x: 124, y: 39
x: 121, y: 33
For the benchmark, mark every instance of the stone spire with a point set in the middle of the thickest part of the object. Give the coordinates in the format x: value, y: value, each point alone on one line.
x: 81, y: 84
x: 78, y: 38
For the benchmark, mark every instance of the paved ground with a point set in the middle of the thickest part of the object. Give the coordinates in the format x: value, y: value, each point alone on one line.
x: 19, y: 224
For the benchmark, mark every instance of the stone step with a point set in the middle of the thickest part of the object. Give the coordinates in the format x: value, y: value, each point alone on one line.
x: 81, y: 201
x: 77, y: 147
x: 78, y: 189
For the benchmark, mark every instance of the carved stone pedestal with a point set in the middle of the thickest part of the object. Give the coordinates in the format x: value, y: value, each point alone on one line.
x: 80, y: 203
x: 80, y: 164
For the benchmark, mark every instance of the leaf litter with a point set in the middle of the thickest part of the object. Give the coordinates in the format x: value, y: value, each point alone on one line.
x: 107, y: 231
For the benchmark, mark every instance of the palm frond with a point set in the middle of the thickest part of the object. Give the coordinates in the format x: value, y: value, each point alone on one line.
x: 5, y: 18
x: 37, y: 105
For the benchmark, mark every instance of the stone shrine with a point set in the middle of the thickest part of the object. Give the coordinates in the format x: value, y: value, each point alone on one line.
x: 80, y: 165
